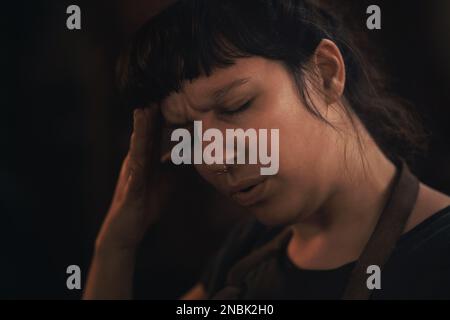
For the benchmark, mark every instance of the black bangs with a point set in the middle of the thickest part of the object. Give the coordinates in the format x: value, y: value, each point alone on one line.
x: 192, y: 37
x: 181, y: 43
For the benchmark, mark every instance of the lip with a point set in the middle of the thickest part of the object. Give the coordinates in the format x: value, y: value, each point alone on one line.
x: 250, y: 197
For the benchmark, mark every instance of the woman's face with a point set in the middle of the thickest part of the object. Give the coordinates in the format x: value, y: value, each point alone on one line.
x: 308, y: 147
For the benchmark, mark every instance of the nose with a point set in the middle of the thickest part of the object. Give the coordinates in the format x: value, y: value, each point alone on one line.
x: 223, y: 157
x: 226, y: 165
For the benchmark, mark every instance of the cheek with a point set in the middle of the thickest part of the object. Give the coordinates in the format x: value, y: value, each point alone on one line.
x: 304, y: 150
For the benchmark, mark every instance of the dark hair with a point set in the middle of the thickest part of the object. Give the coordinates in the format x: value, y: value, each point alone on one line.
x: 192, y: 37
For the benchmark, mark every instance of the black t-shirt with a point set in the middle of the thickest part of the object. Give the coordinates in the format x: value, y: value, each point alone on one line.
x: 419, y: 267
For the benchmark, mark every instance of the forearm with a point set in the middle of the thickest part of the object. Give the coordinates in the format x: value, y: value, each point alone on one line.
x: 111, y: 275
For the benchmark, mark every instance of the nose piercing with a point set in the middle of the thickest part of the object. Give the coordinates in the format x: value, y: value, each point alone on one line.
x: 223, y: 170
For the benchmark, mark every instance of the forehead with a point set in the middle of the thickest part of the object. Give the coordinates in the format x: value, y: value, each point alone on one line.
x: 197, y: 95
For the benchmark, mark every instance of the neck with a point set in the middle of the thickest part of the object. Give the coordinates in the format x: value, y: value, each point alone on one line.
x: 336, y: 233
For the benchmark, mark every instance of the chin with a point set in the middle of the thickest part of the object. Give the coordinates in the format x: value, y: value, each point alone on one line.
x: 273, y: 215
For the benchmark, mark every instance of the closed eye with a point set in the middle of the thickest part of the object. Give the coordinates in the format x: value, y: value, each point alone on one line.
x: 240, y: 109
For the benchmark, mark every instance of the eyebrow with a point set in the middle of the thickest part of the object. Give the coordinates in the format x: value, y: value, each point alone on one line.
x: 217, y: 96
x: 220, y: 94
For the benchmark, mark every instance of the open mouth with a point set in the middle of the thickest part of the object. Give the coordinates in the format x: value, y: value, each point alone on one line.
x: 251, y: 194
x: 248, y: 188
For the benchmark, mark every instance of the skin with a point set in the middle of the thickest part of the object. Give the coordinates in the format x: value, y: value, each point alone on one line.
x: 331, y: 185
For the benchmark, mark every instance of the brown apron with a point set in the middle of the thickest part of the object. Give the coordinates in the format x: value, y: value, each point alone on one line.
x: 389, y: 228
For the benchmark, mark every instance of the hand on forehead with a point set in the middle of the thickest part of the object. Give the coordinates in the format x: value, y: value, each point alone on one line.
x: 176, y: 109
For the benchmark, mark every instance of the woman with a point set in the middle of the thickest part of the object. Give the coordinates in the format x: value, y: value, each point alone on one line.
x: 343, y: 198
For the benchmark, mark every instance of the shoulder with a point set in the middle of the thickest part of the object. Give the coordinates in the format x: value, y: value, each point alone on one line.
x: 429, y: 202
x: 420, y: 264
x: 431, y: 235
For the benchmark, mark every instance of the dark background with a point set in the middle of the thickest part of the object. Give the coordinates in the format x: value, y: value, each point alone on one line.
x: 64, y: 132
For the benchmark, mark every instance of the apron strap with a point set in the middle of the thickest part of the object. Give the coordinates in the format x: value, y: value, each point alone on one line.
x: 388, y: 230
x: 234, y: 283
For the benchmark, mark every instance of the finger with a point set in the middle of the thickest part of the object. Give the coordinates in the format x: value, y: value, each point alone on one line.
x: 153, y: 125
x: 137, y: 154
x: 143, y: 144
x: 123, y: 179
x: 138, y: 142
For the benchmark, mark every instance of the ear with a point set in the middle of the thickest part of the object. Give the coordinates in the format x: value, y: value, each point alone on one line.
x: 331, y: 69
